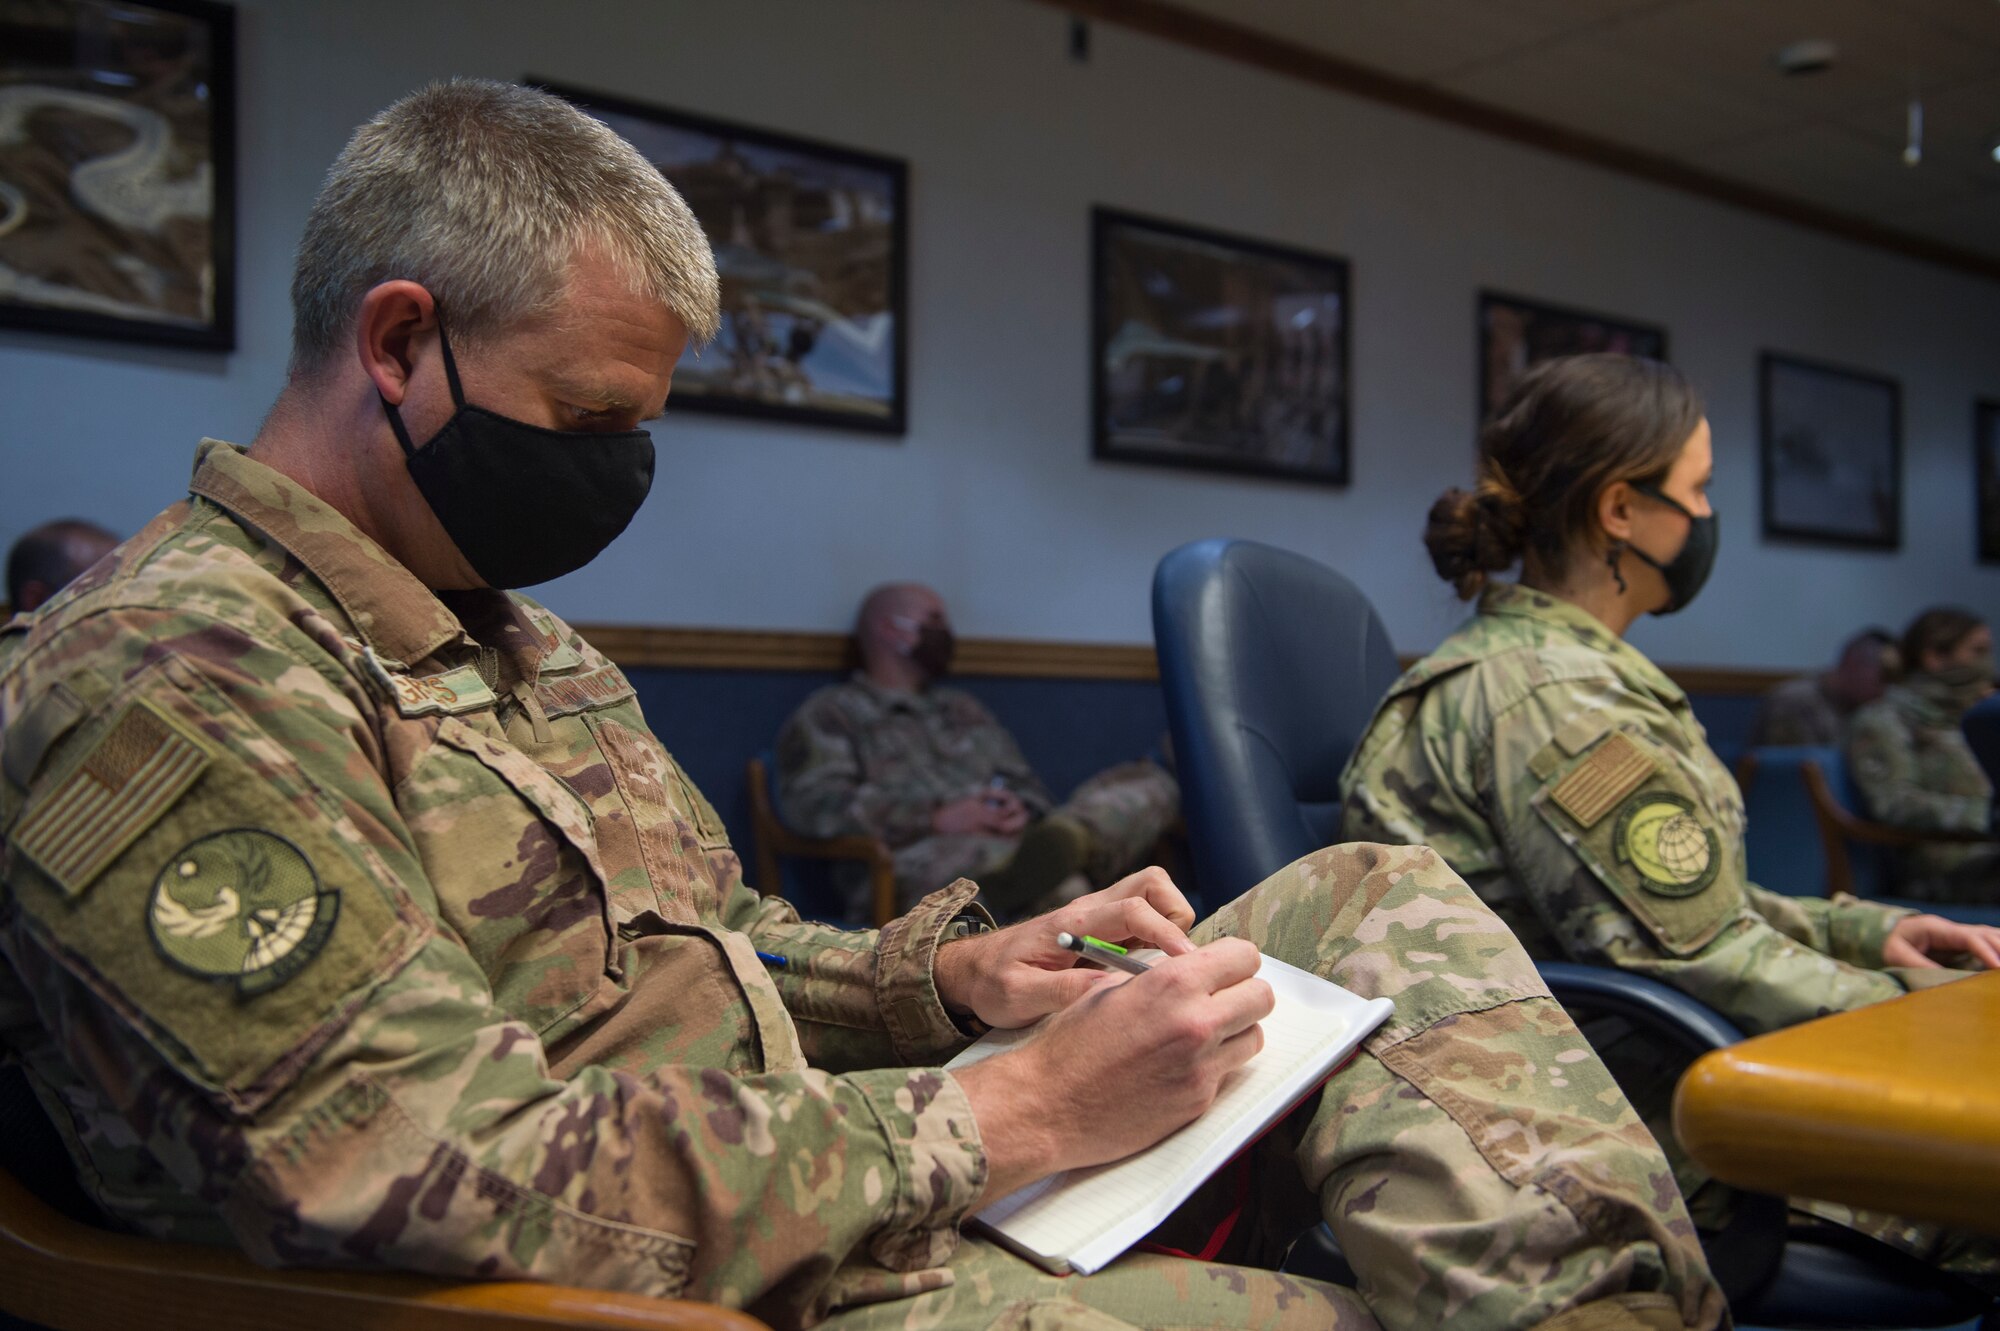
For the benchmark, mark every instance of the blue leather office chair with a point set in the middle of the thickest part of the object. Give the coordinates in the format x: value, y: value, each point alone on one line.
x: 1859, y: 851
x: 1271, y: 666
x: 1784, y: 850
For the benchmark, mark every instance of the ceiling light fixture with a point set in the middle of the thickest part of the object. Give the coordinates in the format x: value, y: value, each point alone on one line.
x: 1808, y: 55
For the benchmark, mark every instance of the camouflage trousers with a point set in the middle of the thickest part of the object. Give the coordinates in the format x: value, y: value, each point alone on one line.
x: 1474, y: 1159
x: 1125, y: 807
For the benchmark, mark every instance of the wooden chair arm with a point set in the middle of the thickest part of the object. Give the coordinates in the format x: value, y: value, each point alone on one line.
x: 1839, y: 825
x: 71, y: 1277
x: 775, y: 839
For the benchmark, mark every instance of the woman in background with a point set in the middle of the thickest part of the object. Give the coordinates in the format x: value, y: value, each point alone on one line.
x: 1915, y: 770
x: 1565, y: 776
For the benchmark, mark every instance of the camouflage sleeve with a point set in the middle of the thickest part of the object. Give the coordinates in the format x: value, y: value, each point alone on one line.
x: 1845, y: 928
x: 1633, y: 858
x: 348, y: 1091
x: 1881, y: 755
x: 824, y: 792
x: 860, y: 998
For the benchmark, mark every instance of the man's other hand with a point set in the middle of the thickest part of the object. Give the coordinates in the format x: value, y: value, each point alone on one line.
x: 989, y: 813
x: 1019, y: 975
x: 1917, y: 940
x: 1133, y: 1059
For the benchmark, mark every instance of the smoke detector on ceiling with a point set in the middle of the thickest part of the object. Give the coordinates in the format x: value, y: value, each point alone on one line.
x: 1808, y: 55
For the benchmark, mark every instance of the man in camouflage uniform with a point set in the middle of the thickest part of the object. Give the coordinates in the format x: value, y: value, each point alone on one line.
x: 1565, y: 776
x: 354, y: 916
x: 1914, y: 769
x: 895, y: 755
x: 1816, y: 709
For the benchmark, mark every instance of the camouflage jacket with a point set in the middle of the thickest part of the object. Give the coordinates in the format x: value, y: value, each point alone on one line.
x: 1798, y: 712
x: 1914, y: 769
x: 1567, y: 780
x: 860, y: 758
x: 357, y: 927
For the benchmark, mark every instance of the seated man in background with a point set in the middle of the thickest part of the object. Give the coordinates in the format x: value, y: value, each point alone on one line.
x: 48, y: 558
x: 355, y: 917
x: 893, y: 754
x: 1816, y: 709
x: 1914, y: 768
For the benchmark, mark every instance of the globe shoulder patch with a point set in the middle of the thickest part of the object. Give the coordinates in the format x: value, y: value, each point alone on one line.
x: 1637, y: 828
x: 1661, y: 835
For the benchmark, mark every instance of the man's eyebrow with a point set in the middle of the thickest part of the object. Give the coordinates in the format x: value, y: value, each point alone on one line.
x: 603, y: 397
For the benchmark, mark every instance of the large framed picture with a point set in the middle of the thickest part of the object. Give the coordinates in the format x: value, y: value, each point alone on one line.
x: 118, y: 169
x: 812, y: 242
x: 1210, y: 350
x: 1832, y: 444
x: 1986, y: 474
x: 1515, y: 333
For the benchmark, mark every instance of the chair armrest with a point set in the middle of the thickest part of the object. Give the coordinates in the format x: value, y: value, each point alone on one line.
x: 1643, y: 1001
x: 70, y: 1277
x: 775, y: 839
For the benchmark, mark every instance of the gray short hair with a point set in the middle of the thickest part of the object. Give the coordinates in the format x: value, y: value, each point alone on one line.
x: 484, y: 193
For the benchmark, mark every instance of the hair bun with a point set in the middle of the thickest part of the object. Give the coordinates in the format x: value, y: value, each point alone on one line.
x: 1472, y: 534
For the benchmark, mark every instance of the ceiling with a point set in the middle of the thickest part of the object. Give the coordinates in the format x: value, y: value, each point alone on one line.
x: 1694, y: 81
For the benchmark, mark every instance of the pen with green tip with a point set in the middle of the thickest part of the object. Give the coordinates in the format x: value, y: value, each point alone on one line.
x: 1098, y: 950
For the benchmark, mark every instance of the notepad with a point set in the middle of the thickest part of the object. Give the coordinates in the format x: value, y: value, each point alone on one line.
x: 1083, y: 1219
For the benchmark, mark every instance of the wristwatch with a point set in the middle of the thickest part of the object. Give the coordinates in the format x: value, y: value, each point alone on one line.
x: 971, y: 921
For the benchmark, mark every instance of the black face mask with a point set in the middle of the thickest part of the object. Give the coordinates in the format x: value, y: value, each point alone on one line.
x: 1687, y: 571
x: 934, y: 649
x: 524, y: 504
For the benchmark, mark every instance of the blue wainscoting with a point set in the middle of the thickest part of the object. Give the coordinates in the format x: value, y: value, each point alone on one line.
x: 715, y: 720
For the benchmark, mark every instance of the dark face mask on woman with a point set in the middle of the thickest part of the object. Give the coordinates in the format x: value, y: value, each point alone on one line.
x: 1687, y: 571
x: 522, y: 503
x: 1957, y: 687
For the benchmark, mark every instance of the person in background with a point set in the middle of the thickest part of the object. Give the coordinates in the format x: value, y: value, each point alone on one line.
x: 1816, y: 709
x: 1565, y: 776
x: 356, y: 917
x: 1913, y: 766
x: 48, y: 558
x: 893, y: 753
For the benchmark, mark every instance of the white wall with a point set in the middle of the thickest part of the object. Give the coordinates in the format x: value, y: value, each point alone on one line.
x: 993, y: 496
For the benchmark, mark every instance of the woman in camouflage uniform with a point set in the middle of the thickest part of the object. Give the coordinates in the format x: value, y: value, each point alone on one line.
x: 1565, y: 776
x: 1915, y: 769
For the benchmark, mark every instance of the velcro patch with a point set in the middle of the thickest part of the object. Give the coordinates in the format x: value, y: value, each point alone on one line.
x: 1614, y: 769
x: 131, y: 776
x: 567, y: 694
x: 447, y: 694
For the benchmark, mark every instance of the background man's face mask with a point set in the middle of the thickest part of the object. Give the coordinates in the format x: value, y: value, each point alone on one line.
x: 522, y: 503
x: 934, y: 648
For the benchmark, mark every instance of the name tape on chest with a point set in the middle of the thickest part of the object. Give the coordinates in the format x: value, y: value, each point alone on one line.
x: 447, y: 694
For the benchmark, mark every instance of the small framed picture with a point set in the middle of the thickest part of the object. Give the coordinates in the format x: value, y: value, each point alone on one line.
x: 1832, y: 444
x: 811, y: 242
x: 1986, y: 476
x: 118, y: 169
x: 1515, y: 333
x: 1214, y: 351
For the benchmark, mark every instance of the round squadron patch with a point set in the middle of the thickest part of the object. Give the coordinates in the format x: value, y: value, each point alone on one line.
x: 1661, y: 837
x: 242, y: 906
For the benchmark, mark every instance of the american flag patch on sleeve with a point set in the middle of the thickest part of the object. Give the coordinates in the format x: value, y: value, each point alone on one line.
x: 133, y: 774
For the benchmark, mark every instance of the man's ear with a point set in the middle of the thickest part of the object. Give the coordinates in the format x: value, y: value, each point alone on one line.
x: 1614, y: 510
x: 393, y: 317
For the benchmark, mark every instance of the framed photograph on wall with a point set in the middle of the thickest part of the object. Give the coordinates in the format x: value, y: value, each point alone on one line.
x: 118, y: 169
x: 811, y: 241
x: 1515, y: 333
x: 1986, y: 476
x: 1209, y: 350
x: 1832, y: 445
